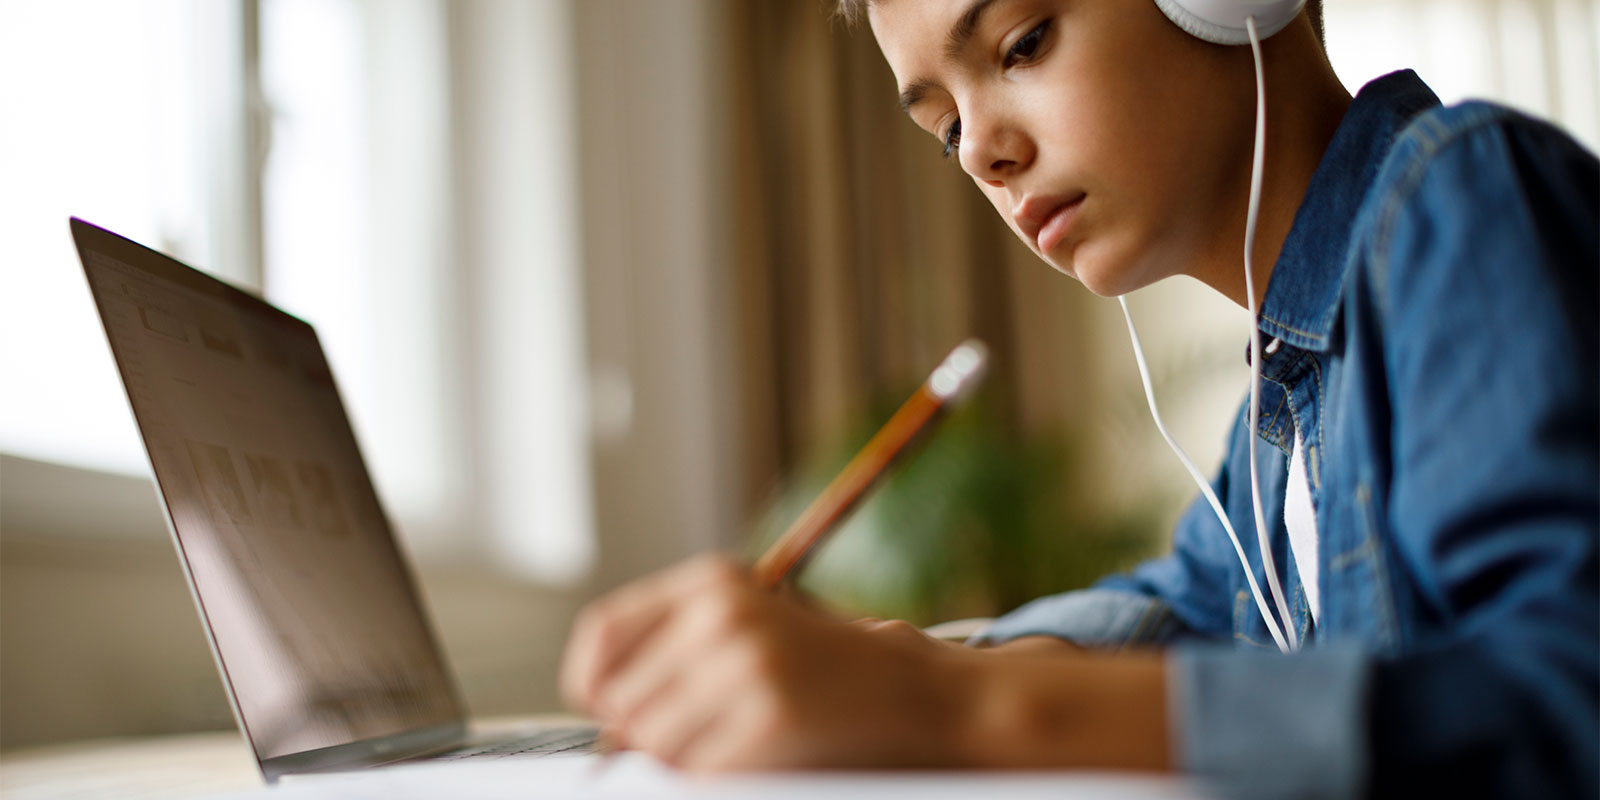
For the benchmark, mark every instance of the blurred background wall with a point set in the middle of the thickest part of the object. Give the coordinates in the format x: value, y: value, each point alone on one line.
x: 605, y: 282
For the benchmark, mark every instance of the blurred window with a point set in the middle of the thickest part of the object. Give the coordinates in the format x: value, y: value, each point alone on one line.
x: 1540, y: 56
x: 355, y: 207
x: 312, y: 150
x: 123, y: 114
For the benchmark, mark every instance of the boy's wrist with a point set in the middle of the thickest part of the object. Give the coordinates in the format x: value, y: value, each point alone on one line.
x: 1059, y: 707
x: 961, y: 685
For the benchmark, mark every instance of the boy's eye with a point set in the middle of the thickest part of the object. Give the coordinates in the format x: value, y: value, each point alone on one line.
x: 1027, y: 47
x: 952, y: 137
x: 1021, y: 51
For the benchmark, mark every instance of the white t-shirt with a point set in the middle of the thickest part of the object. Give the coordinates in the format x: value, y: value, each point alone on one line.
x: 1301, y: 519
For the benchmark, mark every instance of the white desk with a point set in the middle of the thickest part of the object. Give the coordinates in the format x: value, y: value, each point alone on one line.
x: 219, y: 764
x: 177, y: 767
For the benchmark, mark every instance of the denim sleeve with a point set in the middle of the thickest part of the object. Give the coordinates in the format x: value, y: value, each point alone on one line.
x: 1484, y: 271
x: 1257, y: 724
x: 1109, y: 618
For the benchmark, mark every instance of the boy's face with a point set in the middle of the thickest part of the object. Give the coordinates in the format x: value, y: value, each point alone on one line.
x: 1111, y: 142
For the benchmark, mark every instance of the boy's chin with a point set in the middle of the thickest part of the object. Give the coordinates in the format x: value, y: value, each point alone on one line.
x: 1104, y: 277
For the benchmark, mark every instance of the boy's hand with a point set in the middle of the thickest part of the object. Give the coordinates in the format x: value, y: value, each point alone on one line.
x: 702, y: 669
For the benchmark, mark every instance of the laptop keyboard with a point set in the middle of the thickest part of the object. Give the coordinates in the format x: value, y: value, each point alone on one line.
x: 544, y: 743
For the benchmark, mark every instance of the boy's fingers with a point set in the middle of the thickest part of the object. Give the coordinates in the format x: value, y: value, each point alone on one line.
x: 609, y: 631
x: 671, y: 724
x: 728, y: 741
x: 700, y: 623
x: 597, y: 645
x: 653, y: 668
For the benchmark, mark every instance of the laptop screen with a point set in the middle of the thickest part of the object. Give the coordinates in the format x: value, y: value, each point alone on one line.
x: 315, y: 620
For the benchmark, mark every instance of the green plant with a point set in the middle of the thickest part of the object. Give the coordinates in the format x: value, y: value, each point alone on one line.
x: 976, y: 522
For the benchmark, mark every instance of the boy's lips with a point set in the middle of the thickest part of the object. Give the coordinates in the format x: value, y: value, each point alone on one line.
x: 1046, y: 220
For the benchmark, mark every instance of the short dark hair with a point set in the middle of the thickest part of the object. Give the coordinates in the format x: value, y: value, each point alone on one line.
x: 853, y: 10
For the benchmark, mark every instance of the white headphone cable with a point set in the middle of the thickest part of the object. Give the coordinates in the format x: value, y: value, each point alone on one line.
x: 1199, y: 479
x: 1257, y: 167
x: 1268, y: 563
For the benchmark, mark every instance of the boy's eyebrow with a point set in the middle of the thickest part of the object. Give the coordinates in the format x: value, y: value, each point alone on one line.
x: 915, y: 92
x: 954, y: 42
x: 961, y: 33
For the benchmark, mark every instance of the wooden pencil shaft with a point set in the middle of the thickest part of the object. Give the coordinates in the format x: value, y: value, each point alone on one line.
x: 847, y: 489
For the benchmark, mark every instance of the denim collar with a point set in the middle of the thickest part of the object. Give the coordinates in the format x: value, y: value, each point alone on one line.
x: 1302, y: 301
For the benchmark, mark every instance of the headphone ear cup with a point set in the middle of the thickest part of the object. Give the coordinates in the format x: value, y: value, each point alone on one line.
x: 1222, y: 21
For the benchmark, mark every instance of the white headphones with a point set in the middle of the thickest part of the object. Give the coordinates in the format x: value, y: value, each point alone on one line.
x: 1235, y: 22
x: 1223, y: 21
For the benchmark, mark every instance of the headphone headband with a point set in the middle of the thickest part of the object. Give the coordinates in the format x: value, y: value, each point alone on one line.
x: 1222, y: 21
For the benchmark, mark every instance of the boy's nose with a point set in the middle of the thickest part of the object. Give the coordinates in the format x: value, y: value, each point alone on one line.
x: 994, y: 153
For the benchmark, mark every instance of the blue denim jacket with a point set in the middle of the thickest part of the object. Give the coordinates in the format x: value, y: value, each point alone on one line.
x: 1436, y: 304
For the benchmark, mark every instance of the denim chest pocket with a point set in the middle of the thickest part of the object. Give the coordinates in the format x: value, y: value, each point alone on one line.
x: 1359, y: 577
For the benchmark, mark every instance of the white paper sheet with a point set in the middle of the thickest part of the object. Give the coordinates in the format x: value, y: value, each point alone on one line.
x: 634, y: 775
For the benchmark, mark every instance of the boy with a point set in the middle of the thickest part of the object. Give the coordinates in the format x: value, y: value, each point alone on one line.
x: 1428, y: 427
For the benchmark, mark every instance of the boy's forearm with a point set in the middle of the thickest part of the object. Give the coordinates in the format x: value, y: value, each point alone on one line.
x: 1060, y: 707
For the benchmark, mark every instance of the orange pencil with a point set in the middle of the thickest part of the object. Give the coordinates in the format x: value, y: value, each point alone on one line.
x: 952, y: 381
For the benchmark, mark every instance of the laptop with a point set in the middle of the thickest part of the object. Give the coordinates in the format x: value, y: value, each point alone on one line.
x: 311, y: 611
